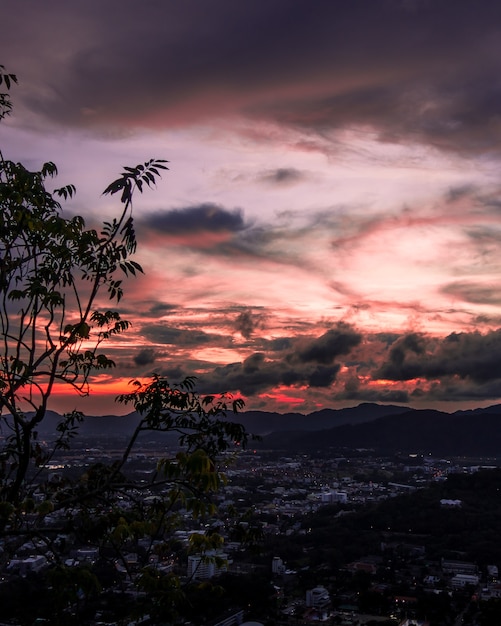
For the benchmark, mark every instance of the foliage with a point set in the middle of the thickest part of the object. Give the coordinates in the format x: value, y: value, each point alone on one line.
x: 59, y: 281
x: 7, y: 80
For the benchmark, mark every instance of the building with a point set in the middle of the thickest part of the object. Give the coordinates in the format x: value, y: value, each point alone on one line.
x: 205, y: 566
x: 89, y: 555
x: 317, y: 598
x: 462, y: 580
x: 32, y: 564
x: 331, y: 497
x: 458, y: 567
x: 277, y: 566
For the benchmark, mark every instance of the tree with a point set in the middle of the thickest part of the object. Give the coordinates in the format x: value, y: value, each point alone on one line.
x: 58, y: 283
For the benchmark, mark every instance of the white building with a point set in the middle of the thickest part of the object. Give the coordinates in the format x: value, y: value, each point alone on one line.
x: 204, y: 566
x: 461, y: 580
x: 317, y: 598
x: 30, y: 564
x: 331, y: 497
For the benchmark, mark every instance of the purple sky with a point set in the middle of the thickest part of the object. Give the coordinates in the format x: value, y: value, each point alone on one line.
x: 329, y: 230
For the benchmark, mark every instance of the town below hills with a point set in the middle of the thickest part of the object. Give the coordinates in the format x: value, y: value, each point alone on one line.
x: 382, y: 428
x: 333, y: 532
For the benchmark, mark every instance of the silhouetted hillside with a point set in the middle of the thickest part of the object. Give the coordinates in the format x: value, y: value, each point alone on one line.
x: 385, y: 428
x: 427, y: 431
x: 261, y: 423
x: 256, y: 422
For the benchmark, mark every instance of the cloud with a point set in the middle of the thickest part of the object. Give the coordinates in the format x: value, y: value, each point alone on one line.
x: 297, y: 362
x: 473, y: 356
x: 430, y: 74
x: 473, y: 292
x: 454, y: 391
x: 323, y: 376
x: 335, y: 342
x: 181, y: 338
x: 247, y: 322
x: 281, y: 177
x: 361, y: 394
x: 278, y: 345
x: 258, y: 374
x: 146, y: 356
x: 203, y: 218
x: 212, y: 230
x: 162, y: 308
x: 341, y: 365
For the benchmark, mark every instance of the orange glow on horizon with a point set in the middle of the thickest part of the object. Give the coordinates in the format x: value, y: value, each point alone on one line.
x: 108, y: 387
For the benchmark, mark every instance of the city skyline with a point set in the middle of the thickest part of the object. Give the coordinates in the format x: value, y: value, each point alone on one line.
x: 328, y: 230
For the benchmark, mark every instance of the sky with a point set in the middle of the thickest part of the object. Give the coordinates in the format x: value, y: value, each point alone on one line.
x: 328, y: 231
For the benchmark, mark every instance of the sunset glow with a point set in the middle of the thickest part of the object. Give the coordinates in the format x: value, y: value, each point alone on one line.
x: 329, y: 230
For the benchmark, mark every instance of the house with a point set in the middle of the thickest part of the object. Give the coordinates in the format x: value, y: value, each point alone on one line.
x: 31, y: 564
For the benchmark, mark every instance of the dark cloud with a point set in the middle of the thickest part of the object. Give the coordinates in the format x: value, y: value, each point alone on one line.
x: 215, y: 231
x: 299, y: 362
x: 457, y: 368
x: 162, y: 308
x: 207, y: 217
x: 279, y: 344
x: 462, y: 391
x: 145, y: 357
x: 323, y: 376
x: 471, y: 356
x: 174, y: 373
x: 430, y: 73
x: 281, y: 176
x: 463, y: 191
x: 247, y: 322
x: 355, y: 389
x: 386, y: 337
x: 258, y: 374
x: 333, y: 343
x: 487, y: 320
x: 185, y: 338
x: 473, y: 292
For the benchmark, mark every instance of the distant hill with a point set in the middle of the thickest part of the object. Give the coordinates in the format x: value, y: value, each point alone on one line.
x: 103, y: 425
x: 385, y: 428
x: 256, y: 422
x: 262, y: 423
x: 426, y: 431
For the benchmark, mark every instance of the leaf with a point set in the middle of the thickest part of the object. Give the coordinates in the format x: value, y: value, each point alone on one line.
x: 66, y: 192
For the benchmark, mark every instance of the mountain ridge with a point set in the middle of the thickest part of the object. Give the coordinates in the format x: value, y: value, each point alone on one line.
x: 424, y: 431
x: 385, y: 428
x: 256, y: 422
